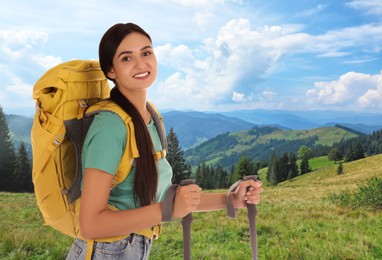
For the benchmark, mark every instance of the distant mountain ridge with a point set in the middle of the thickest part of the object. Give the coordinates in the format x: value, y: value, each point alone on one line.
x: 299, y: 120
x: 259, y: 142
x: 194, y: 128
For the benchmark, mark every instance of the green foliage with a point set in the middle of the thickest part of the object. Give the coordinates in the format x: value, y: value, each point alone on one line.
x: 181, y: 170
x: 335, y: 154
x: 244, y: 167
x: 15, y: 168
x: 304, y: 152
x: 340, y: 169
x: 23, y: 171
x: 210, y: 177
x: 257, y: 143
x: 367, y: 195
x: 7, y: 156
x: 354, y: 152
x: 304, y: 166
x: 282, y: 168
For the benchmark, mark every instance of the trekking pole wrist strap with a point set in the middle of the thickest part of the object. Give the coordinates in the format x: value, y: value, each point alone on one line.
x: 230, y: 209
x: 168, y: 202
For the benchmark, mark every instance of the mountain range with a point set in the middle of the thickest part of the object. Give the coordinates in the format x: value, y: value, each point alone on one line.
x: 194, y: 128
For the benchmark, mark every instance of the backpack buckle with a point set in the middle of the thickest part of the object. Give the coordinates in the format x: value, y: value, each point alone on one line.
x: 160, y: 154
x: 58, y: 139
x: 83, y: 105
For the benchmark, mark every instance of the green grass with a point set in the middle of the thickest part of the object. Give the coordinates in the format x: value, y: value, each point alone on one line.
x: 326, y: 135
x: 296, y: 220
x: 319, y: 162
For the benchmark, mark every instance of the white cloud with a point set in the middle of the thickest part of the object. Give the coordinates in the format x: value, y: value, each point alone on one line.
x: 202, y: 19
x: 370, y: 6
x: 199, y: 3
x: 238, y: 97
x: 18, y: 95
x: 18, y: 44
x: 218, y: 68
x: 22, y: 63
x: 48, y: 61
x: 352, y: 90
x: 312, y: 11
x: 267, y: 94
x: 239, y: 57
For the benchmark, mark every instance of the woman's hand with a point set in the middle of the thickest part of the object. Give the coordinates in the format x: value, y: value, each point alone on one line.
x: 187, y: 199
x: 247, y: 192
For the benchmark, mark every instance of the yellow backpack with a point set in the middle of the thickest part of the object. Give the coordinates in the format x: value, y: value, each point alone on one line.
x: 66, y: 96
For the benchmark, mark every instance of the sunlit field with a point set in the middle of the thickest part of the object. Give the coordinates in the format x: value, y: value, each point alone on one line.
x: 296, y: 220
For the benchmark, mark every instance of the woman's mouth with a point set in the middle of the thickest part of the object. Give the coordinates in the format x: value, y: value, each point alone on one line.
x: 142, y: 75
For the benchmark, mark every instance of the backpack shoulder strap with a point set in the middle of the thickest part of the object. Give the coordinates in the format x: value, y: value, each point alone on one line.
x: 158, y: 120
x: 131, y: 151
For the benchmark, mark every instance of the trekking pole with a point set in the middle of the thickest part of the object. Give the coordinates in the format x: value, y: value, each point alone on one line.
x: 251, y: 214
x: 168, y: 204
x: 186, y: 225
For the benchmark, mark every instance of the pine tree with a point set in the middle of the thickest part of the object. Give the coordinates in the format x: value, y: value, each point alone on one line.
x: 293, y: 168
x: 244, y: 167
x: 23, y: 171
x: 7, y: 155
x: 335, y: 155
x: 358, y: 152
x: 349, y: 154
x: 284, y: 167
x: 304, y: 166
x: 272, y: 169
x: 174, y: 156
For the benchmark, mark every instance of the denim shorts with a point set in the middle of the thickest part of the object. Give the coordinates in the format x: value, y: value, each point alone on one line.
x: 132, y: 247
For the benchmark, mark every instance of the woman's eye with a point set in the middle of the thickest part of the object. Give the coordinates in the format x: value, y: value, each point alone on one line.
x: 147, y: 53
x: 126, y: 58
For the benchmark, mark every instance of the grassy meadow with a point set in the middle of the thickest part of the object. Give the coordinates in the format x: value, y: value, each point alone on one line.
x: 296, y: 220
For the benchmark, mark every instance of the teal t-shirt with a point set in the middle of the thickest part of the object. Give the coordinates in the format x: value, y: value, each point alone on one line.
x: 103, y: 148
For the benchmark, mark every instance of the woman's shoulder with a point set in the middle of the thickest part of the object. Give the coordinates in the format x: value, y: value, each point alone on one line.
x: 108, y: 121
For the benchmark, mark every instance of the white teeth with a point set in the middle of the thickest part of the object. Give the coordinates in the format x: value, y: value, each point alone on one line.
x: 144, y: 74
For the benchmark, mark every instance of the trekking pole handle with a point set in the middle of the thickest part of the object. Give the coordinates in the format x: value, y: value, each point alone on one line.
x: 187, y: 182
x: 251, y: 207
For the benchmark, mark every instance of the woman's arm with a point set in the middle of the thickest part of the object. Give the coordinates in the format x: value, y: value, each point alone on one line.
x: 247, y: 192
x: 97, y: 221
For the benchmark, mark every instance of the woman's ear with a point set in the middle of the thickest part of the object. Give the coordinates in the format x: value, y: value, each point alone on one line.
x: 111, y: 74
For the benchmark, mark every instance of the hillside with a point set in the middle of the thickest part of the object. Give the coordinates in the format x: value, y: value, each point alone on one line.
x: 295, y: 221
x: 258, y: 143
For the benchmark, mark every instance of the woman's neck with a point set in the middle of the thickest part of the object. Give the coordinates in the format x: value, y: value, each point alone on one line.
x: 139, y: 99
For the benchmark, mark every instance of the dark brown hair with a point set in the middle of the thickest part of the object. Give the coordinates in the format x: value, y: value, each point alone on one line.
x: 146, y: 175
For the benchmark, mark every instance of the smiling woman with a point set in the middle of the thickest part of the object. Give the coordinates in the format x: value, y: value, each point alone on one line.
x: 122, y: 218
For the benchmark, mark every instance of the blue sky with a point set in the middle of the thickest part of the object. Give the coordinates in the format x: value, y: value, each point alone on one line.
x: 216, y: 55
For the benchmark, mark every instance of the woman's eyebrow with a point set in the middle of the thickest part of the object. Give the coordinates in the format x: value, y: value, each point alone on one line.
x: 130, y: 52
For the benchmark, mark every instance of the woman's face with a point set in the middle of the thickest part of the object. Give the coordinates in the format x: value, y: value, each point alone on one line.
x: 134, y: 64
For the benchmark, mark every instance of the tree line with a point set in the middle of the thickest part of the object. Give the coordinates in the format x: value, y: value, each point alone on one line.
x: 15, y: 164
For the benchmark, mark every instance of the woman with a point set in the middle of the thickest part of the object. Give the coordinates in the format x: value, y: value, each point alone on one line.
x: 127, y: 58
